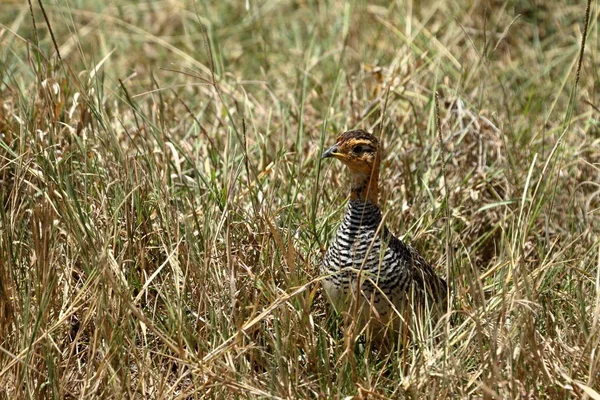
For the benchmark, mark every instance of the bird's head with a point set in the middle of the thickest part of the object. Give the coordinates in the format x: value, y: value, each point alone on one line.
x: 358, y: 150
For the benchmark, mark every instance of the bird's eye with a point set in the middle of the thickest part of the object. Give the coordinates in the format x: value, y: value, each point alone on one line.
x: 359, y: 149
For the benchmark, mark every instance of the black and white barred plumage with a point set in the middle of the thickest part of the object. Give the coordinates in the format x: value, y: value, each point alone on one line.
x: 390, y: 271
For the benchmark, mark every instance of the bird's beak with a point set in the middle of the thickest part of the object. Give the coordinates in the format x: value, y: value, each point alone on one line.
x: 330, y: 152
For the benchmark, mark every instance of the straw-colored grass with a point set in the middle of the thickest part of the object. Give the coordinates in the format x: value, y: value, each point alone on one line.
x: 163, y: 207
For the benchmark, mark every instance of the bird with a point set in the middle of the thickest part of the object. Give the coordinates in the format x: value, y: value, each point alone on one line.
x: 366, y: 267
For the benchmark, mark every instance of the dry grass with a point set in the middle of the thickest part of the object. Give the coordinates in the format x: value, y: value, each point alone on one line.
x: 164, y: 209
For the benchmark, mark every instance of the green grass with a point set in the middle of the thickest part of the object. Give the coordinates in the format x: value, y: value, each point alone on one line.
x: 164, y: 209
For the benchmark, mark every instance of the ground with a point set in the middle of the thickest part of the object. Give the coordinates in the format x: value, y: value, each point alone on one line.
x: 164, y: 209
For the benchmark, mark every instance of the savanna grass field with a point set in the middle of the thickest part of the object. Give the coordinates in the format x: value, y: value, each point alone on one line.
x: 164, y: 209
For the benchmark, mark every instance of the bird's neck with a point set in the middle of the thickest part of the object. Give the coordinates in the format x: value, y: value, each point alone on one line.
x: 365, y: 186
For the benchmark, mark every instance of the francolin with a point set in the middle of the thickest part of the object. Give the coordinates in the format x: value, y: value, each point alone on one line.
x: 369, y: 272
